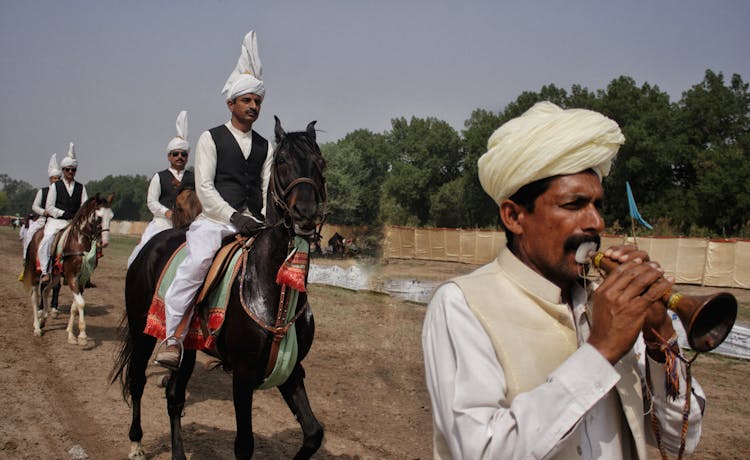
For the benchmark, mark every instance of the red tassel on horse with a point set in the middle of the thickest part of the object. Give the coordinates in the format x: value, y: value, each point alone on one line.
x: 293, y: 272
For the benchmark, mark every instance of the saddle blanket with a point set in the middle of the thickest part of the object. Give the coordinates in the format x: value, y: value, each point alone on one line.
x: 215, y: 305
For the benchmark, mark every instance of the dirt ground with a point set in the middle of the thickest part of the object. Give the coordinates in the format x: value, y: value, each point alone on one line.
x: 364, y: 379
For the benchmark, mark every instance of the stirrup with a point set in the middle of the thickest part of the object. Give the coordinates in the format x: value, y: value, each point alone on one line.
x: 179, y: 345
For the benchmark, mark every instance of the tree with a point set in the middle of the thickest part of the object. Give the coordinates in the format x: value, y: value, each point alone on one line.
x: 715, y: 118
x: 130, y: 195
x: 19, y: 195
x: 426, y: 155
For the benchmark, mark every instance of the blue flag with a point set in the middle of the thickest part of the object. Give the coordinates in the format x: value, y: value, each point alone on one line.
x: 634, y: 209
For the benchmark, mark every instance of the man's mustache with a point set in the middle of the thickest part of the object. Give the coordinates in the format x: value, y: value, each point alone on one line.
x: 573, y: 241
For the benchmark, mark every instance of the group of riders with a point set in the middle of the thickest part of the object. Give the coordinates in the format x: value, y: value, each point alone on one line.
x: 232, y: 173
x: 53, y: 208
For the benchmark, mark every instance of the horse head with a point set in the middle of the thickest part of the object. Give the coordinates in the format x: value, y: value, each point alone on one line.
x: 104, y: 215
x: 94, y: 218
x: 298, y: 187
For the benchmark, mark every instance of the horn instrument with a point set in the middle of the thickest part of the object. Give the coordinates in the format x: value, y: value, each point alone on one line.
x: 707, y: 319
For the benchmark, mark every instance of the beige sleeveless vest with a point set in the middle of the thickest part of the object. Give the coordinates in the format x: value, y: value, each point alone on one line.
x: 530, y: 323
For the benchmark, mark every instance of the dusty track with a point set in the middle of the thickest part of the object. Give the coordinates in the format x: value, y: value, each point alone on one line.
x: 364, y: 377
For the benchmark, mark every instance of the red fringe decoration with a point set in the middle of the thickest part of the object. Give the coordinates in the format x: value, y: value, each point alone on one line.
x: 194, y: 340
x: 293, y: 272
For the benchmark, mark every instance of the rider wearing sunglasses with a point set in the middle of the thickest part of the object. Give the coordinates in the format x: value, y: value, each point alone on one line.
x: 162, y: 190
x: 232, y: 172
x: 64, y: 199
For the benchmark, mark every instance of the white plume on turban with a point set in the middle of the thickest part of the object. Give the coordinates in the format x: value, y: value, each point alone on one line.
x: 180, y: 142
x: 70, y: 159
x: 547, y: 141
x: 53, y: 170
x: 247, y: 75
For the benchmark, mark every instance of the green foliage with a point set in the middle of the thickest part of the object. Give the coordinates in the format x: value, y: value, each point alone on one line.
x: 688, y: 163
x: 129, y: 195
x: 19, y: 195
x: 427, y: 154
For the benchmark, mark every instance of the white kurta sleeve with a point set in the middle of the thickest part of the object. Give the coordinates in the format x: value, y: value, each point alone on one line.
x: 214, y: 206
x: 84, y: 194
x: 467, y: 388
x: 49, y: 205
x: 152, y: 198
x: 37, y: 206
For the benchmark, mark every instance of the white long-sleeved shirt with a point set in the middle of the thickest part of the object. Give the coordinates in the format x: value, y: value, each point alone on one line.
x: 214, y: 206
x: 37, y: 206
x: 467, y: 388
x: 52, y: 198
x: 154, y: 192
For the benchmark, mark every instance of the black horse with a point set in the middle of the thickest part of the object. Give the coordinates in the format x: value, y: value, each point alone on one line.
x: 295, y: 205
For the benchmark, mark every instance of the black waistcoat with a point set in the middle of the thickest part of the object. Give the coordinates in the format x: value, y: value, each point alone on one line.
x: 238, y: 180
x: 169, y: 185
x: 44, y: 190
x: 67, y: 202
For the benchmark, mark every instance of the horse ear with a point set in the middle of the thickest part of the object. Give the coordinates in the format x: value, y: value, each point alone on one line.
x: 110, y: 197
x: 278, y: 130
x: 311, y: 129
x: 97, y: 196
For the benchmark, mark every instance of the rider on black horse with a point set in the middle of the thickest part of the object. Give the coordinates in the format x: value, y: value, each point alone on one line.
x: 232, y: 172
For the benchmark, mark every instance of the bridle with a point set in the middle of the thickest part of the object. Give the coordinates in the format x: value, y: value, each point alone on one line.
x: 279, y: 195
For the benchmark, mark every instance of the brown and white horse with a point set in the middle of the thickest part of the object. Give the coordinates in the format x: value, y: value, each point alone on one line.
x: 87, y: 233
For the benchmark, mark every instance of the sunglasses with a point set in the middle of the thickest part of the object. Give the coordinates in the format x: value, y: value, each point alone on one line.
x: 70, y: 169
x: 179, y: 154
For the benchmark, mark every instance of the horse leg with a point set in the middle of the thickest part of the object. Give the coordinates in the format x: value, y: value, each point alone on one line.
x: 36, y: 306
x: 242, y: 391
x: 175, y: 392
x: 143, y: 345
x: 293, y: 391
x: 77, y: 307
x: 54, y: 301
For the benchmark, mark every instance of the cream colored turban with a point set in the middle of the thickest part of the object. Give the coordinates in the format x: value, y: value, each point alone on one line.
x: 180, y: 142
x: 547, y: 141
x: 247, y: 75
x: 70, y: 158
x: 53, y: 170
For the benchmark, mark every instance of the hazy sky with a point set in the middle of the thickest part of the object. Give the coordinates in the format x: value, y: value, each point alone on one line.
x: 111, y: 76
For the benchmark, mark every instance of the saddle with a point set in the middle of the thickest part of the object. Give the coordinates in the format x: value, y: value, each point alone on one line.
x: 220, y: 265
x: 210, y: 301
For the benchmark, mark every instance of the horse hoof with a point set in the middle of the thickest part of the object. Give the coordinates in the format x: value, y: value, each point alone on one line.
x: 55, y: 312
x: 137, y: 455
x: 72, y: 340
x: 83, y: 341
x: 37, y: 332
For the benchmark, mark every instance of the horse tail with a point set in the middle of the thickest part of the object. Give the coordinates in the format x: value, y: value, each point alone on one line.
x: 121, y: 369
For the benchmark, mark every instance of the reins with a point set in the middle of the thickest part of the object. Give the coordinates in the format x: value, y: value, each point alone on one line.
x: 281, y: 327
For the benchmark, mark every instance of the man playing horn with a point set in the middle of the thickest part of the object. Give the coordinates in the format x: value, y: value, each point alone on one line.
x: 521, y: 360
x: 232, y: 172
x: 64, y: 199
x: 162, y: 190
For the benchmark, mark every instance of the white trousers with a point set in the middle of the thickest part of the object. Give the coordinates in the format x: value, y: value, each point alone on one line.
x: 157, y: 224
x: 34, y: 225
x: 50, y: 228
x: 203, y: 241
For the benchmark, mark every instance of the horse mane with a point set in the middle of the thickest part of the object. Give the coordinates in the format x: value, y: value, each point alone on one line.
x: 86, y: 210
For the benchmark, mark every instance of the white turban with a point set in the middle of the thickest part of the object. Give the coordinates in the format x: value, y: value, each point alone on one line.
x: 547, y: 141
x: 247, y: 75
x: 53, y: 170
x: 180, y: 142
x: 70, y: 159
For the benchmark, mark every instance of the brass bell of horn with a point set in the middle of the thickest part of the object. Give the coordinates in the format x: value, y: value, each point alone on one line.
x: 707, y: 319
